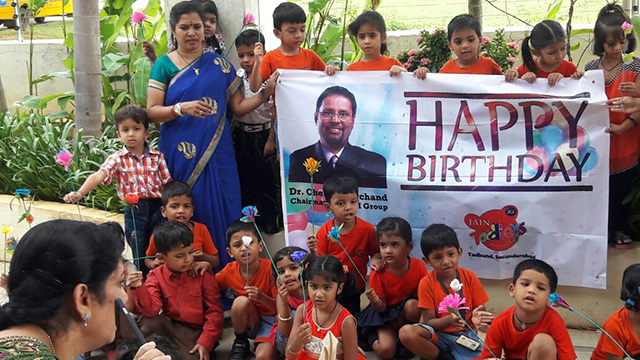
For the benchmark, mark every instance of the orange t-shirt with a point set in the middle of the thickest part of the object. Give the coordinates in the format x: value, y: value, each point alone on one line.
x: 617, y: 325
x: 566, y: 68
x: 484, y: 66
x: 380, y: 64
x: 304, y: 60
x: 202, y: 241
x: 431, y: 293
x: 230, y: 278
x: 503, y: 336
x: 395, y: 288
x: 361, y: 243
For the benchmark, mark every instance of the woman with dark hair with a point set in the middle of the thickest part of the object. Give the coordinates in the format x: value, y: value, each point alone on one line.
x: 64, y: 278
x: 190, y: 93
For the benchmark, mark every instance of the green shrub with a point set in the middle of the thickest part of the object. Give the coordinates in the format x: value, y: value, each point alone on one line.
x: 433, y: 52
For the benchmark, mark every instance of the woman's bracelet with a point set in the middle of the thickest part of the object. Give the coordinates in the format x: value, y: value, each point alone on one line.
x: 262, y: 97
x: 291, y: 350
x: 633, y: 120
x: 284, y: 319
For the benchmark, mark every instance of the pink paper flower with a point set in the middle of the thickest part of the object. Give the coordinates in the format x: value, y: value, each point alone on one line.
x: 138, y: 17
x: 64, y: 158
x: 484, y: 40
x: 249, y: 19
x: 511, y: 59
x: 627, y: 27
x: 419, y: 40
x: 452, y: 301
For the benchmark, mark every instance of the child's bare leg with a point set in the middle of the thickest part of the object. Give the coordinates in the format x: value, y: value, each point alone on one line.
x: 418, y: 340
x: 266, y: 351
x: 385, y: 346
x: 243, y: 314
x: 543, y: 347
x: 411, y: 311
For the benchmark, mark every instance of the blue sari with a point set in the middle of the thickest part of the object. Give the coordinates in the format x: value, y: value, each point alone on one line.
x: 183, y: 141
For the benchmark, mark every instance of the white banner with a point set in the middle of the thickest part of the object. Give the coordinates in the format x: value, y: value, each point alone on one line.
x: 518, y: 170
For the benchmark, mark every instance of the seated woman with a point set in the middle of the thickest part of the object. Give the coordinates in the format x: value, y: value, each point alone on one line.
x: 64, y: 278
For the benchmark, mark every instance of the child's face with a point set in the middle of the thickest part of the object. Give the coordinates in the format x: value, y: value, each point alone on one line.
x: 289, y: 271
x: 238, y: 251
x: 614, y: 47
x: 344, y: 207
x: 552, y: 54
x: 179, y: 258
x: 323, y: 292
x: 464, y: 43
x: 210, y: 25
x: 531, y: 291
x: 179, y: 208
x: 394, y: 249
x: 291, y: 35
x: 370, y: 40
x: 246, y: 56
x: 132, y: 134
x: 445, y: 261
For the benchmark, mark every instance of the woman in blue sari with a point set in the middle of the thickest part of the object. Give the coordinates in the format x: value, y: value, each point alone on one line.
x: 192, y: 93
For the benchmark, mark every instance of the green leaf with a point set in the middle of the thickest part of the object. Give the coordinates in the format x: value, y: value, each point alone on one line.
x: 123, y: 18
x: 57, y: 74
x: 575, y: 46
x: 581, y: 31
x: 112, y: 62
x: 68, y: 61
x: 68, y: 41
x: 63, y: 100
x: 61, y: 114
x: 152, y: 8
x: 119, y: 99
x: 32, y: 102
x: 553, y: 9
x: 141, y: 79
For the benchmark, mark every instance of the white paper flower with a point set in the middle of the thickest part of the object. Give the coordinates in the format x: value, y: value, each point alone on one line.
x: 455, y: 285
x: 246, y: 240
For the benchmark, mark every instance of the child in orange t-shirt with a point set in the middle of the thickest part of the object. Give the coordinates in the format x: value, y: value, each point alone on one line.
x: 463, y: 38
x: 393, y: 294
x: 177, y: 204
x: 621, y: 324
x: 370, y: 32
x: 254, y: 307
x: 549, y: 43
x: 357, y: 236
x: 530, y: 329
x: 435, y: 336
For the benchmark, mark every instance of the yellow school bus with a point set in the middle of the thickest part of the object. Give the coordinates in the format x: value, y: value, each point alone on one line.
x: 52, y: 8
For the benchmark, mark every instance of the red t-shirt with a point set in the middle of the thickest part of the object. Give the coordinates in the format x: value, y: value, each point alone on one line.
x: 484, y: 66
x: 566, y: 68
x: 503, y: 336
x: 395, y: 288
x: 431, y: 293
x: 617, y: 325
x: 380, y: 64
x: 361, y: 243
x: 193, y: 301
x: 230, y: 278
x: 202, y: 241
x: 304, y: 60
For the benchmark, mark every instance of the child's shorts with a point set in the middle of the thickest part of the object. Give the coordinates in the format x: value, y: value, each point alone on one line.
x: 277, y: 339
x: 260, y: 331
x: 447, y: 342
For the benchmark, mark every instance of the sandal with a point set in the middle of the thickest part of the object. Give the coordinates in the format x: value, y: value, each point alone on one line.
x: 622, y: 240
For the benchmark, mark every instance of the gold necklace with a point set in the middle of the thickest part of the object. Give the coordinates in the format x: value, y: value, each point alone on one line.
x: 53, y: 348
x: 196, y: 70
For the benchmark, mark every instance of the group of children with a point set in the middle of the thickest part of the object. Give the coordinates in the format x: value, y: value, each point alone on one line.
x: 180, y: 296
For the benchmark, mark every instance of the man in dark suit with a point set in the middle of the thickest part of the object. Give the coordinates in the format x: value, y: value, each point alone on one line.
x: 335, y: 115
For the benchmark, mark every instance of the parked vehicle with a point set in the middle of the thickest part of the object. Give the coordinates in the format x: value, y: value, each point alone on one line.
x: 51, y: 8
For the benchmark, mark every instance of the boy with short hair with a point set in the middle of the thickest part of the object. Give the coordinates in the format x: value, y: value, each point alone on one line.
x: 250, y: 135
x: 139, y: 171
x: 254, y: 307
x: 530, y: 329
x: 191, y: 312
x: 177, y: 205
x: 436, y: 336
x: 357, y: 236
x: 463, y: 38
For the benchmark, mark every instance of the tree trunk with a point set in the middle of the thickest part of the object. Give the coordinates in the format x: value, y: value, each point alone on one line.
x: 475, y: 10
x: 87, y: 67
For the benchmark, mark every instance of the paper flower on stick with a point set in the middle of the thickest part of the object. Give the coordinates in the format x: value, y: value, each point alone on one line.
x: 64, y: 158
x: 299, y: 256
x: 455, y: 285
x: 247, y: 240
x: 132, y: 198
x: 138, y: 17
x: 23, y: 192
x: 334, y: 234
x: 249, y: 19
x: 312, y: 165
x: 250, y: 212
x: 10, y: 244
x: 556, y: 301
x: 452, y: 303
x: 627, y: 28
x: 7, y: 230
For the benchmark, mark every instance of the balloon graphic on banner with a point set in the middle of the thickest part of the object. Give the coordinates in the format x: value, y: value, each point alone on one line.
x: 592, y: 161
x: 298, y: 238
x: 532, y: 165
x: 319, y: 218
x: 564, y: 150
x: 297, y: 221
x: 552, y: 137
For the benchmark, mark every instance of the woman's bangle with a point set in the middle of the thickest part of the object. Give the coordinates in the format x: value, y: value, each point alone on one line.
x: 633, y: 120
x: 284, y: 319
x: 261, y: 92
x: 291, y: 350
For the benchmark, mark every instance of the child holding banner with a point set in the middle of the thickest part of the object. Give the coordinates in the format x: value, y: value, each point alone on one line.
x: 621, y: 77
x: 370, y: 32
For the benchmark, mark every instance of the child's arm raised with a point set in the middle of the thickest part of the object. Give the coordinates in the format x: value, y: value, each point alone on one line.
x: 241, y: 106
x: 284, y: 311
x: 255, y: 79
x: 91, y: 183
x: 312, y: 244
x: 350, y: 338
x: 254, y: 294
x: 300, y: 336
x: 148, y: 296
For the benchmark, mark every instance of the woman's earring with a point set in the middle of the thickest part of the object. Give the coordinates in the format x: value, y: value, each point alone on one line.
x: 86, y: 317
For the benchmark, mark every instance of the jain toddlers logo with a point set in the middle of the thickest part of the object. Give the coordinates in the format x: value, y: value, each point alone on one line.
x: 496, y: 229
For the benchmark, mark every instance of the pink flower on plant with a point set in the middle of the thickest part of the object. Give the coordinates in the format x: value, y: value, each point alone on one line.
x: 419, y: 40
x: 412, y: 52
x: 138, y: 17
x: 249, y: 19
x: 64, y: 158
x: 425, y: 61
x: 511, y: 59
x: 407, y: 65
x: 452, y: 301
x: 411, y: 59
x: 484, y: 40
x: 513, y: 45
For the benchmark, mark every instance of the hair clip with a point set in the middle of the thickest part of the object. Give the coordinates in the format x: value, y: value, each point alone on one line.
x: 631, y: 302
x: 611, y: 11
x: 345, y: 268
